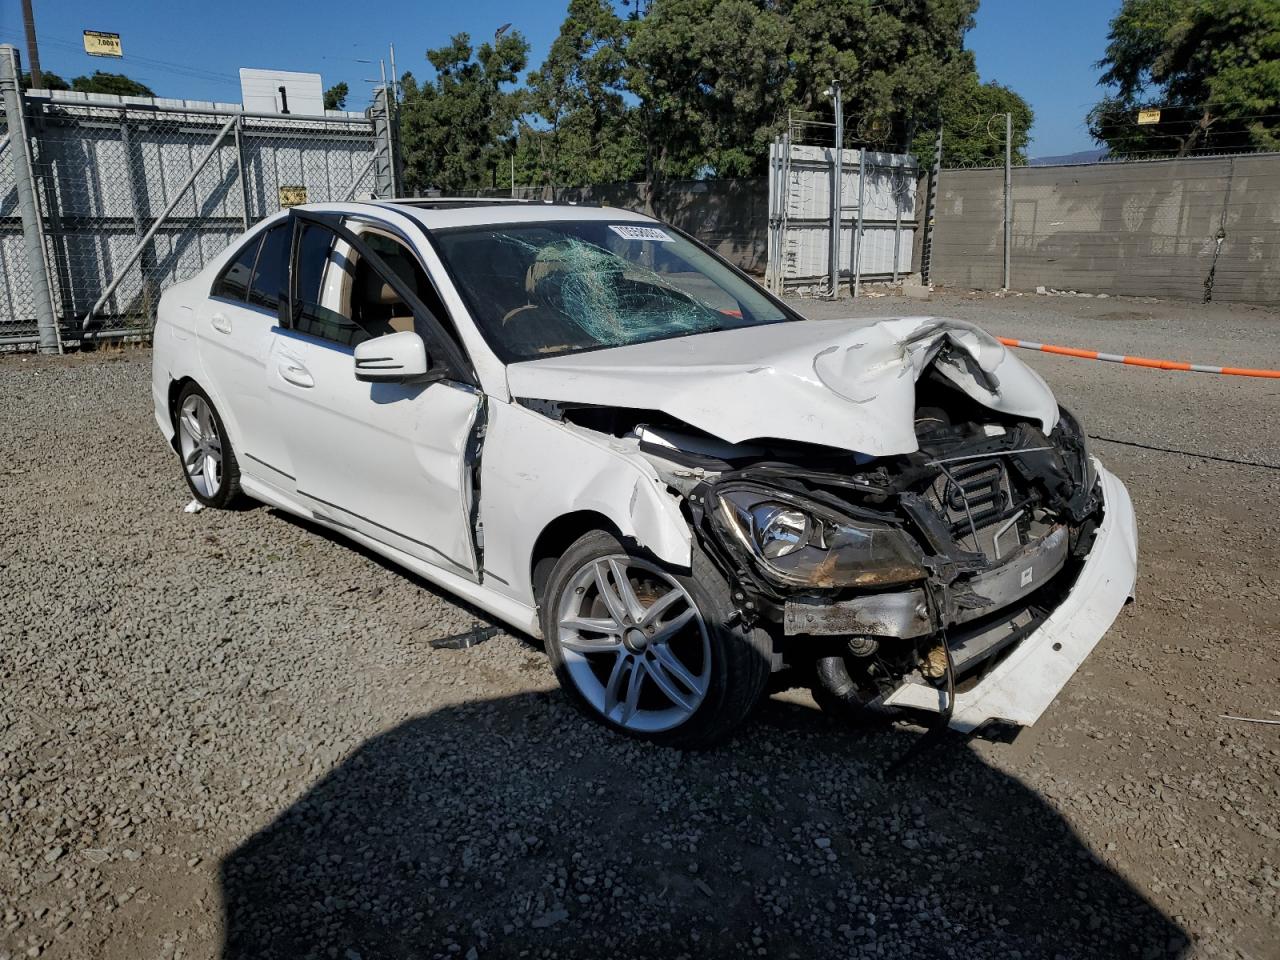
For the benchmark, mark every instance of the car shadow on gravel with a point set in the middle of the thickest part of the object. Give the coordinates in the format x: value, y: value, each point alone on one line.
x: 515, y: 827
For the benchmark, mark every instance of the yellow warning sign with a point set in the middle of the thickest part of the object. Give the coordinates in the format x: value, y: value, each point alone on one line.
x: 99, y: 44
x: 1148, y: 116
x: 291, y: 196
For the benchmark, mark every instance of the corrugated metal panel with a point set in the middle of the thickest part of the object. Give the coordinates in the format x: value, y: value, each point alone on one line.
x: 889, y: 202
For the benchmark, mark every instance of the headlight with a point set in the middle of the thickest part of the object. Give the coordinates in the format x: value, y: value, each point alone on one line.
x: 806, y: 545
x: 779, y: 530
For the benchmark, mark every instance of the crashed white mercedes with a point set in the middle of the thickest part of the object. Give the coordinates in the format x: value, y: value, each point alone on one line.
x: 593, y: 429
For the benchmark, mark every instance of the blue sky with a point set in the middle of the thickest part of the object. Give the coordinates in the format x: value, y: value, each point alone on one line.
x: 1044, y: 49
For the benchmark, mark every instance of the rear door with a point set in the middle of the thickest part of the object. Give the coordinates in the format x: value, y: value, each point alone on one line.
x: 234, y: 332
x: 391, y: 461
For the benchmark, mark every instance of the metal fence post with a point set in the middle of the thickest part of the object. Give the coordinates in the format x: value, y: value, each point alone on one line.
x: 837, y: 174
x: 857, y: 229
x: 28, y: 201
x: 380, y: 116
x: 899, y: 196
x: 930, y: 211
x: 1008, y: 193
x: 244, y: 182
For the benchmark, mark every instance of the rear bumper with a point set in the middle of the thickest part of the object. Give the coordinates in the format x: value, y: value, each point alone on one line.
x: 1022, y: 685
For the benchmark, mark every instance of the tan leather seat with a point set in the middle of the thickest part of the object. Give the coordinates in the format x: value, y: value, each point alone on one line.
x: 378, y: 293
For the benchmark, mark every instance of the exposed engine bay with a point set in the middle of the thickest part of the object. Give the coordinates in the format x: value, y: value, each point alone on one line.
x: 923, y: 567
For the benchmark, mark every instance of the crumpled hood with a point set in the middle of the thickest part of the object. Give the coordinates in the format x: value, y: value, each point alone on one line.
x: 841, y: 383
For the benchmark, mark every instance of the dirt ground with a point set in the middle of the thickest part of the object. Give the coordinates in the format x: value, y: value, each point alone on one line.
x: 228, y: 734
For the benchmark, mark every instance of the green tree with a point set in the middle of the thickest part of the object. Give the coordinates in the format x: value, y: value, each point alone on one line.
x: 113, y: 83
x: 973, y: 125
x: 48, y: 81
x: 335, y: 98
x: 1211, y: 67
x: 578, y: 95
x: 457, y: 130
x: 716, y: 80
x: 711, y: 77
x: 895, y: 62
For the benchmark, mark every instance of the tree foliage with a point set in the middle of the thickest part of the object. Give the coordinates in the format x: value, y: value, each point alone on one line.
x: 697, y: 88
x: 973, y: 125
x: 577, y: 127
x: 100, y: 82
x: 1212, y: 68
x: 113, y: 83
x: 456, y: 130
x: 48, y: 81
x: 335, y: 98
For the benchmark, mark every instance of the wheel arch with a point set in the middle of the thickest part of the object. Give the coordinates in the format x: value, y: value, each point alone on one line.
x: 176, y: 386
x: 557, y: 536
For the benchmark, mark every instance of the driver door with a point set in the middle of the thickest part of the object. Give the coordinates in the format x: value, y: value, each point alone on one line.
x: 386, y: 460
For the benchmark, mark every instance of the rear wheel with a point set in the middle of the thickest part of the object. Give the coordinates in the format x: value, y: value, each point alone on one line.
x: 647, y: 650
x: 208, y: 462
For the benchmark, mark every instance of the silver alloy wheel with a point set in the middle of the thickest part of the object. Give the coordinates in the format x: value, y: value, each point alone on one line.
x: 634, y: 643
x: 201, y: 445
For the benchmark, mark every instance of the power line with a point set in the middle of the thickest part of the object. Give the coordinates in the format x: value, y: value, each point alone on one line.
x: 178, y: 69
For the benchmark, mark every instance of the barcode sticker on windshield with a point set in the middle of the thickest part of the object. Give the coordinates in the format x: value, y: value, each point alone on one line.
x: 632, y: 232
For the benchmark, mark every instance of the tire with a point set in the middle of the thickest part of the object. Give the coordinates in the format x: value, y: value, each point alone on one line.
x: 696, y: 679
x: 204, y: 450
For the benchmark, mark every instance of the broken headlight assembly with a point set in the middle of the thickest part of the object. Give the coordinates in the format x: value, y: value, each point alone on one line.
x: 1071, y: 440
x: 802, y: 544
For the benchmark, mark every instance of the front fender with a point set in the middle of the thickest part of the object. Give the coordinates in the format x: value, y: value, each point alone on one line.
x: 535, y: 470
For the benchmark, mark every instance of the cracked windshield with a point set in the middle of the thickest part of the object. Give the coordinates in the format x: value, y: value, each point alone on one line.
x: 548, y: 289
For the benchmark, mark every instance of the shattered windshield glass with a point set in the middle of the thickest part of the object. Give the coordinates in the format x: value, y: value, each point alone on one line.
x: 551, y: 288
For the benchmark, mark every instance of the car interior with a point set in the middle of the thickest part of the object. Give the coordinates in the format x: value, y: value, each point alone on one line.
x: 359, y: 304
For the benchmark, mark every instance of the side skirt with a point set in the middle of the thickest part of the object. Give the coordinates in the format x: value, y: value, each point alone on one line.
x: 509, y: 611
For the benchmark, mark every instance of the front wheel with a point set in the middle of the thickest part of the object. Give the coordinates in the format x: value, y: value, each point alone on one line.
x: 648, y: 650
x: 208, y: 462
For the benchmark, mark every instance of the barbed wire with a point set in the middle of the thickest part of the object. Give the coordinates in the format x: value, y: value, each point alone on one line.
x: 1146, y: 157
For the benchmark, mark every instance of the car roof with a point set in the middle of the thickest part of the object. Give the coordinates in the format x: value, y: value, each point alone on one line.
x: 438, y: 213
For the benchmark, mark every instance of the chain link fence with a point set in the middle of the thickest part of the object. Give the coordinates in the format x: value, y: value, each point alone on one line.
x: 135, y: 194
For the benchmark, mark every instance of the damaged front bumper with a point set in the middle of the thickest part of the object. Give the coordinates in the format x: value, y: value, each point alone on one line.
x: 1020, y: 687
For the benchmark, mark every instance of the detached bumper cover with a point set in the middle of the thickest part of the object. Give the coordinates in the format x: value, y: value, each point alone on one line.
x: 1021, y: 687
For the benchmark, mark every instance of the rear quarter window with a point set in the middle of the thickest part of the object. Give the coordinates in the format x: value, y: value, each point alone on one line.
x: 233, y: 282
x: 269, y: 276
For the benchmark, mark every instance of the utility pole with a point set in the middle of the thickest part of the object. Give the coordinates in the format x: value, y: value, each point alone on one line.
x: 1008, y: 193
x: 33, y: 53
x: 837, y: 174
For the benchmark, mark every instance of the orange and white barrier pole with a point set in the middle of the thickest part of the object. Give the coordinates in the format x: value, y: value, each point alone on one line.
x: 1138, y: 361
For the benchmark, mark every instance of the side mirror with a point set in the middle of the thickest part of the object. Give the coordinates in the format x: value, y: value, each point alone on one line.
x: 392, y: 358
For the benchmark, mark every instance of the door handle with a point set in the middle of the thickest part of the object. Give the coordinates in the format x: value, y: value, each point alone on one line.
x: 220, y: 322
x: 294, y: 372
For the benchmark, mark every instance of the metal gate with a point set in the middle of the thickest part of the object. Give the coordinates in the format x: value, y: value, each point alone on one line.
x: 123, y: 196
x: 877, y: 217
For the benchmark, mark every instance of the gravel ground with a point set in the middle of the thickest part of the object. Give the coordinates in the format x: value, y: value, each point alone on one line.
x: 228, y: 733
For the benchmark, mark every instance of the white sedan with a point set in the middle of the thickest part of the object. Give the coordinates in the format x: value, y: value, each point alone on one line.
x: 592, y: 428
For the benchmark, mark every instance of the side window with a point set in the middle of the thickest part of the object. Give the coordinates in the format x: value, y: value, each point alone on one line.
x: 375, y: 304
x: 272, y: 268
x: 233, y: 282
x: 317, y: 260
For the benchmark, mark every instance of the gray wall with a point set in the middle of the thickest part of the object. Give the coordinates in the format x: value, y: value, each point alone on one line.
x: 1141, y: 229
